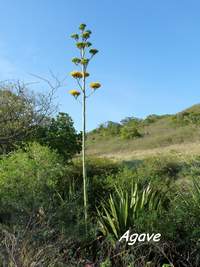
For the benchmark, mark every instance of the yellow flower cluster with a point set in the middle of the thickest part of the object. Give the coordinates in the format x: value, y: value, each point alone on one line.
x: 74, y: 92
x: 79, y: 74
x: 95, y: 85
x: 86, y: 74
x: 76, y: 74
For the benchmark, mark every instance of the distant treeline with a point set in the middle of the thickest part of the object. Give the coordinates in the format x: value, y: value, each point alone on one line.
x: 133, y: 127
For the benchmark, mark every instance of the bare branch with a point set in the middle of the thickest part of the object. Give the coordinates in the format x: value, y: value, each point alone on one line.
x: 22, y: 110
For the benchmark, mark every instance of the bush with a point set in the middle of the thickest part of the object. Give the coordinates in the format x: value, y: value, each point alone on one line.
x: 180, y: 226
x: 128, y: 132
x: 161, y: 171
x: 151, y: 119
x: 185, y: 118
x: 28, y: 180
x: 99, y: 179
x: 109, y: 128
x: 36, y: 183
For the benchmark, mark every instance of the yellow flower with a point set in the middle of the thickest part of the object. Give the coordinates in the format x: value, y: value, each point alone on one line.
x: 74, y: 92
x: 76, y: 74
x: 79, y: 74
x: 95, y: 85
x: 86, y: 74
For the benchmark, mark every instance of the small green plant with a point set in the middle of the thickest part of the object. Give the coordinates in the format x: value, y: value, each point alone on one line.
x: 106, y: 263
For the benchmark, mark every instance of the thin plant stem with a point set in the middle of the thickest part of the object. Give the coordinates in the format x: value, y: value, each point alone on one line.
x: 83, y: 142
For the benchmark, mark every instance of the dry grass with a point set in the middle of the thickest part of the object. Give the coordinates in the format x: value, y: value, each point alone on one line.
x: 187, y: 149
x: 161, y: 137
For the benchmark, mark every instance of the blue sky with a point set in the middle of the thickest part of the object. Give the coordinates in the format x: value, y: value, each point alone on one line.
x: 149, y: 59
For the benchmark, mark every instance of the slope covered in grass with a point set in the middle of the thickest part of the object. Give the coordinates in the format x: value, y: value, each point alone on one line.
x: 155, y: 134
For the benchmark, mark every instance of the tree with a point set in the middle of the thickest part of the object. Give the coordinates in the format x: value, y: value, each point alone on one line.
x: 60, y: 134
x: 131, y: 121
x: 20, y: 112
x: 86, y: 55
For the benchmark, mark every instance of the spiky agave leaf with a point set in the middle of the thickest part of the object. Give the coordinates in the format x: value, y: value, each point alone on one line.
x: 123, y: 208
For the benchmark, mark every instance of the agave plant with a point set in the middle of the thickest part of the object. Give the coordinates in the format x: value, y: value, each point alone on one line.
x: 86, y: 55
x: 123, y: 208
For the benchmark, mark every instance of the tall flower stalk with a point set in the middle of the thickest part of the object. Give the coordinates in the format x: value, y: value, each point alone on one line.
x: 86, y: 53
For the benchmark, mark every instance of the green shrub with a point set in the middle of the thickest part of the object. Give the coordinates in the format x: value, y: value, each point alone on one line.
x: 99, y: 179
x: 160, y: 171
x: 180, y: 226
x: 154, y: 118
x: 186, y: 117
x: 35, y: 182
x: 109, y: 128
x: 96, y: 167
x: 28, y: 179
x: 130, y: 132
x: 151, y: 119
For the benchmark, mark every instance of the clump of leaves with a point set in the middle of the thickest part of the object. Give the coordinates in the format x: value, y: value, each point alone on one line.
x: 124, y: 208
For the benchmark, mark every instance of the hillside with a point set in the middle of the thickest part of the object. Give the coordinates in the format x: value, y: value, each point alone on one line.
x: 138, y: 138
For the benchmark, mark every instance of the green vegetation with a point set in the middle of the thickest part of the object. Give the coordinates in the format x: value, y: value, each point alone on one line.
x: 125, y: 208
x: 25, y: 117
x: 132, y: 137
x: 43, y: 221
x: 59, y: 134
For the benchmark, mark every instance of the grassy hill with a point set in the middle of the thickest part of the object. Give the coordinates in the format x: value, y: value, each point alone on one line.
x: 138, y: 138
